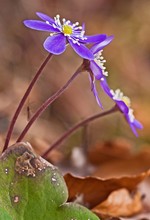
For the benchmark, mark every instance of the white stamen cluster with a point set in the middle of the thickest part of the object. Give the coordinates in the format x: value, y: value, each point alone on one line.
x: 77, y: 32
x: 118, y: 95
x: 99, y: 59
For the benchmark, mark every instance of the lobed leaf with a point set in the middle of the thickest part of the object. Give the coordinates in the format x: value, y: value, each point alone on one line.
x: 32, y: 188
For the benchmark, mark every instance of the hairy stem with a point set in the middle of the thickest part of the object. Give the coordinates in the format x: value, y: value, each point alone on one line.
x: 49, y: 101
x: 24, y: 98
x: 75, y: 127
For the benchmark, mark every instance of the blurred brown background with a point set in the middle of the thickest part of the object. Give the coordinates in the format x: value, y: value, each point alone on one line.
x: 128, y: 63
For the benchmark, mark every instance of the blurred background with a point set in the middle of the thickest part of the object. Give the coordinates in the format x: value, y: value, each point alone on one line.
x: 128, y: 64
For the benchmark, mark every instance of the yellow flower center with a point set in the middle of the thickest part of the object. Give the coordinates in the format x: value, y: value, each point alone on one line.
x: 126, y: 100
x: 67, y: 29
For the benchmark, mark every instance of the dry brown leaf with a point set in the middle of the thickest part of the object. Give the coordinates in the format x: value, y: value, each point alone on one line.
x: 120, y: 203
x: 95, y: 190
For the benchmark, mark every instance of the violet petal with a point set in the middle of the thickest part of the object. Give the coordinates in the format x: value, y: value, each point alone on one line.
x: 94, y: 90
x: 133, y: 129
x: 138, y: 124
x: 96, y: 70
x: 98, y: 47
x: 55, y: 44
x: 122, y: 106
x: 134, y: 125
x: 39, y: 25
x: 105, y: 87
x: 45, y: 17
x: 94, y: 38
x: 81, y: 50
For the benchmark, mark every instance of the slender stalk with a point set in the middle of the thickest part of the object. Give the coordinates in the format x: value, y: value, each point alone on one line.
x: 24, y: 98
x: 75, y: 127
x: 49, y: 101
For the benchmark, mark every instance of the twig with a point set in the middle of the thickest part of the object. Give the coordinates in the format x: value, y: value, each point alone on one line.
x: 24, y: 98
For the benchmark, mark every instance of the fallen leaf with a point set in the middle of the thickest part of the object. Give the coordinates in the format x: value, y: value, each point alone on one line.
x: 95, y: 190
x: 120, y: 203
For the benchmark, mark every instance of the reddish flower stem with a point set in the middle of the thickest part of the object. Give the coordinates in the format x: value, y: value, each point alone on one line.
x: 49, y: 101
x: 75, y: 127
x: 24, y: 98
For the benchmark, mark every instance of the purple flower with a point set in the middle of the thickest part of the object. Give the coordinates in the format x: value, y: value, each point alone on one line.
x: 123, y: 103
x: 64, y: 32
x: 96, y: 67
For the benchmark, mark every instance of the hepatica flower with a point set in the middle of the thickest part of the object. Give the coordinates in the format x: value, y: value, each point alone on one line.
x: 63, y: 32
x: 96, y: 67
x: 124, y: 105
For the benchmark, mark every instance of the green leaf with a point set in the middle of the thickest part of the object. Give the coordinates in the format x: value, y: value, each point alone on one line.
x: 32, y: 188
